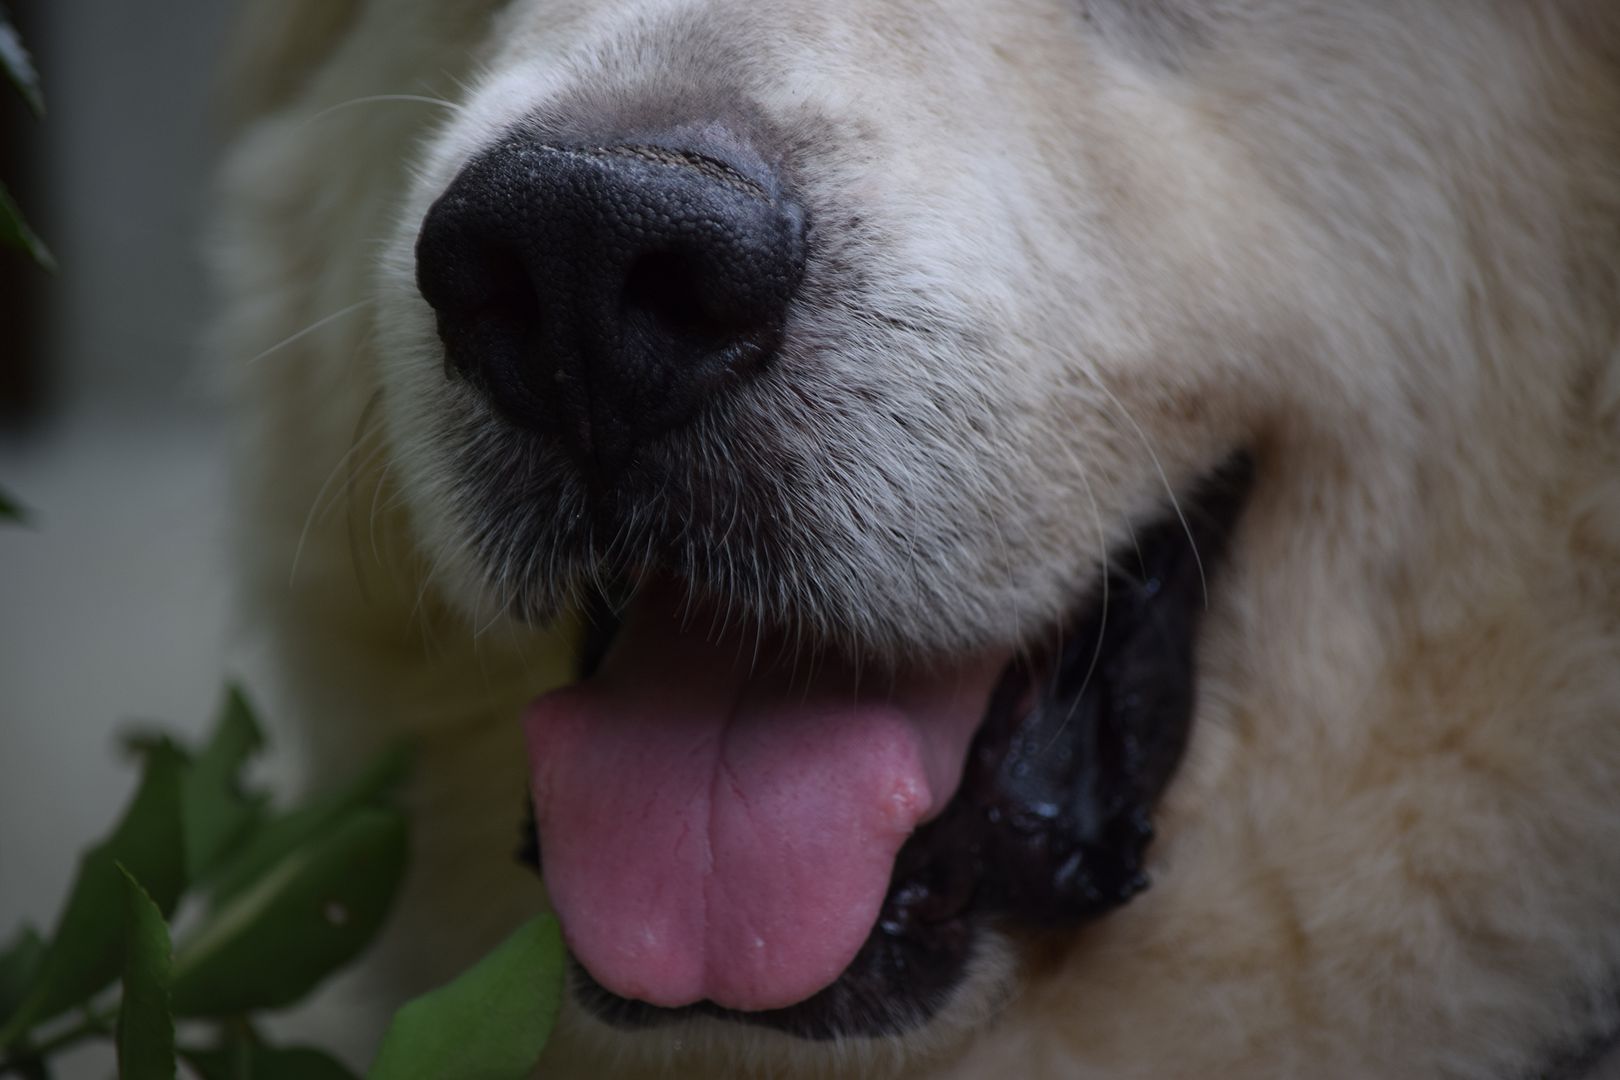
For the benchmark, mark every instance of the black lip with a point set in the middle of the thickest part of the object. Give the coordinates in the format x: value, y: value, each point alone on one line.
x: 1050, y: 826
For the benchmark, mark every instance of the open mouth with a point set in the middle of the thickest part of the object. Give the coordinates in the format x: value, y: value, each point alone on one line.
x: 818, y: 849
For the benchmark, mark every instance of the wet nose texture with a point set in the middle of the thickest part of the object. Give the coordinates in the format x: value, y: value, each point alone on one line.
x: 602, y: 295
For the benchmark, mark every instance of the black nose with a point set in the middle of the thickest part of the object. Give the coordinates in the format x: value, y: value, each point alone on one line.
x: 603, y: 294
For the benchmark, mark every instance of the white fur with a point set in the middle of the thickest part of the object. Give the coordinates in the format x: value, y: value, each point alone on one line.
x: 1378, y: 242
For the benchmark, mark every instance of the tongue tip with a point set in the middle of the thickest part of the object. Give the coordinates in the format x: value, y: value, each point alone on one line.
x: 744, y: 977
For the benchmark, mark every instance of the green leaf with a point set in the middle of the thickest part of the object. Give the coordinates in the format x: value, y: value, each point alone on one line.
x: 286, y: 833
x: 145, y: 1031
x: 310, y: 914
x: 490, y: 1023
x: 255, y: 1061
x: 87, y: 948
x: 19, y: 963
x: 15, y: 233
x: 19, y: 66
x: 216, y: 811
x: 11, y: 510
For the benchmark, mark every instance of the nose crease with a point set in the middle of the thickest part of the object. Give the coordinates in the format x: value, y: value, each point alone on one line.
x: 710, y: 167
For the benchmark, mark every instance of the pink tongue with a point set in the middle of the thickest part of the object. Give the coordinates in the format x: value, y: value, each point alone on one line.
x: 714, y: 834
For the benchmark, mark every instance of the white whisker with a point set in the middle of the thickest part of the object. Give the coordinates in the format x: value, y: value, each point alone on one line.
x: 1164, y: 478
x: 494, y: 619
x: 422, y: 99
x: 1102, y: 624
x: 310, y: 329
x: 320, y: 497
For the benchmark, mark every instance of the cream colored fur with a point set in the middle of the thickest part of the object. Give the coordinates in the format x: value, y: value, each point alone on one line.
x: 1376, y: 241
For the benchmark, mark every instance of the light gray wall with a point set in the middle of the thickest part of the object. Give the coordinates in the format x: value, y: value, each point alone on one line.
x: 128, y: 142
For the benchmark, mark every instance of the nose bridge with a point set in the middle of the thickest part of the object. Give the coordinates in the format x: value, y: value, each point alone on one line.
x: 603, y: 291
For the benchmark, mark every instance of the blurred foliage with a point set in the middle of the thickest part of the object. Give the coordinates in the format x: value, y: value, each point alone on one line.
x: 19, y: 69
x: 281, y: 899
x: 14, y: 231
x: 19, y: 66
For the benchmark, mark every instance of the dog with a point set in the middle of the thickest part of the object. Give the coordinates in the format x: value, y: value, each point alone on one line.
x: 1031, y: 538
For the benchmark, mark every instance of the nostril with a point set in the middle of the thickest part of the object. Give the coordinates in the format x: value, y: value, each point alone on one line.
x: 487, y: 309
x: 668, y: 293
x: 508, y: 291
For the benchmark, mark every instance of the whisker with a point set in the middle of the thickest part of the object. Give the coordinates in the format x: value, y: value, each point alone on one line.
x: 355, y: 465
x: 500, y: 613
x: 362, y: 431
x: 418, y: 612
x: 310, y: 329
x: 320, y: 497
x: 1102, y: 624
x: 422, y: 99
x: 1164, y: 478
x: 376, y: 507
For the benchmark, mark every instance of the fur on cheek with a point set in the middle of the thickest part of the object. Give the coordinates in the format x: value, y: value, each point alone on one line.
x: 1380, y: 250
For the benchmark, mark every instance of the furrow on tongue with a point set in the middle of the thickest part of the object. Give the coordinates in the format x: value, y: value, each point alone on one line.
x: 710, y: 833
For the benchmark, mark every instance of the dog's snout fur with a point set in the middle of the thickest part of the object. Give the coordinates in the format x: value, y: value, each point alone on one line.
x: 1059, y: 258
x: 603, y: 294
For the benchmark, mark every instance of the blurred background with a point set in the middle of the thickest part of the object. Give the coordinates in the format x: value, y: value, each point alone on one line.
x: 114, y: 598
